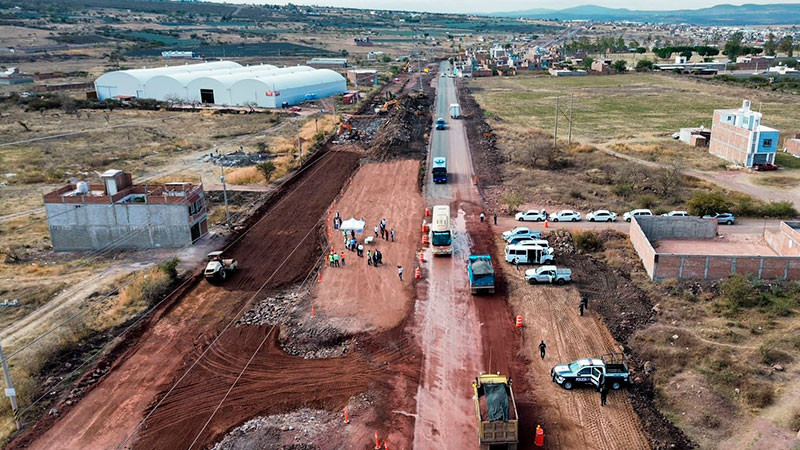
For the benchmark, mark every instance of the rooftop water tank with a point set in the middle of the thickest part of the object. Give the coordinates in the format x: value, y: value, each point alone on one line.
x: 82, y: 187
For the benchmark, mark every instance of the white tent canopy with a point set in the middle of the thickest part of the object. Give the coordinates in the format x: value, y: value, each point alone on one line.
x: 353, y: 224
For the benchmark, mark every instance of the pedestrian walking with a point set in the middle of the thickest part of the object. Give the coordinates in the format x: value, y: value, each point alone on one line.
x: 516, y: 263
x: 392, y: 233
x: 379, y: 256
x: 335, y: 260
x: 353, y: 244
x: 585, y: 301
x: 360, y: 250
x: 495, y: 218
x: 603, y: 394
x: 483, y: 217
x: 400, y: 272
x: 375, y: 259
x: 369, y: 258
x: 581, y: 308
x: 341, y: 258
x: 383, y: 223
x: 542, y: 348
x: 376, y: 231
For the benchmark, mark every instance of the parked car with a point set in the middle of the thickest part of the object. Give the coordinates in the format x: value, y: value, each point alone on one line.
x: 601, y: 215
x: 723, y: 218
x: 440, y: 123
x: 636, y: 212
x: 565, y: 215
x: 531, y: 215
x: 764, y: 167
x: 548, y: 274
x: 517, y: 231
x: 676, y: 214
x: 611, y: 368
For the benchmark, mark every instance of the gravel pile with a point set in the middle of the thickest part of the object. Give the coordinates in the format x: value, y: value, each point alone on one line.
x: 561, y: 241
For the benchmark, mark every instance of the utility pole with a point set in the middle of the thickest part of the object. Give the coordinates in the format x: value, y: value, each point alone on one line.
x: 11, y: 393
x: 225, y: 197
x: 555, y: 131
x: 569, y: 145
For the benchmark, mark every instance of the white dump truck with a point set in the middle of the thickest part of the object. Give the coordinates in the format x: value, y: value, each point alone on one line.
x: 455, y: 110
x: 218, y: 268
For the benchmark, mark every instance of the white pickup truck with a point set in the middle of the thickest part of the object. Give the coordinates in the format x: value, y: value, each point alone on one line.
x: 548, y: 274
x: 219, y: 268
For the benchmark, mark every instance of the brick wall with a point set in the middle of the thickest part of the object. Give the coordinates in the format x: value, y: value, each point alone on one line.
x: 792, y: 146
x: 729, y: 142
x: 643, y: 247
x: 786, y: 240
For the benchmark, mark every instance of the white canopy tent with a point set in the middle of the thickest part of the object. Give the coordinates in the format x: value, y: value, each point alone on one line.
x: 353, y: 224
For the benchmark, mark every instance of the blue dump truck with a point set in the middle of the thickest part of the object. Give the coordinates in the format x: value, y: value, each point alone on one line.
x: 480, y: 273
x: 439, y: 170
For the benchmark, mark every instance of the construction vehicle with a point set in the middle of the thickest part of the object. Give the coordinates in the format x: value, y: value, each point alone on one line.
x: 385, y: 107
x: 218, y: 268
x: 499, y: 426
x: 480, y: 273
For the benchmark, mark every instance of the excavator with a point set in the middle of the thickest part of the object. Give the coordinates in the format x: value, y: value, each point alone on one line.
x: 389, y: 104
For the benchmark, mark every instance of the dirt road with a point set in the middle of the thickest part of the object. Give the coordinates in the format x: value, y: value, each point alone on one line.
x: 277, y: 249
x: 363, y: 297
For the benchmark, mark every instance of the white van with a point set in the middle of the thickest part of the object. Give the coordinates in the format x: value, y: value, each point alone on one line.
x: 529, y: 254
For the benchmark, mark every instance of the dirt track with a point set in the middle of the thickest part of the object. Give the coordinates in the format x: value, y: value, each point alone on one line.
x: 106, y: 416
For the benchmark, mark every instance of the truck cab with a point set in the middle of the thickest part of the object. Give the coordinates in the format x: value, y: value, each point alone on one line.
x: 610, y: 368
x: 480, y: 273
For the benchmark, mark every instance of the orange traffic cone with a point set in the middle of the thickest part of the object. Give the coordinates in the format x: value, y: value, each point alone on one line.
x: 346, y: 416
x: 421, y: 256
x: 539, y: 439
x: 377, y: 442
x: 417, y: 273
x: 519, y: 321
x: 427, y: 212
x: 424, y: 238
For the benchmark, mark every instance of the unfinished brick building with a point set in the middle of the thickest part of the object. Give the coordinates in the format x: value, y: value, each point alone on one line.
x: 738, y: 136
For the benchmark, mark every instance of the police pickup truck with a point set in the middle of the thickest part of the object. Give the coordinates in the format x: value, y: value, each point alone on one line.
x: 610, y: 368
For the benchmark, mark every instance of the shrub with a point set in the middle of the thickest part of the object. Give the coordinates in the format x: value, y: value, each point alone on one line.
x: 170, y: 268
x: 779, y: 210
x: 703, y: 203
x: 738, y: 292
x: 646, y: 201
x: 512, y: 200
x: 759, y: 395
x: 267, y: 168
x: 587, y: 241
x: 622, y: 189
x: 770, y: 355
x: 576, y: 195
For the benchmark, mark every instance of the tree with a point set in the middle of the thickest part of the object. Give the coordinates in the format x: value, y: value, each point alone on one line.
x: 620, y: 66
x: 641, y: 50
x: 512, y: 200
x: 733, y: 47
x: 686, y: 54
x: 386, y: 58
x: 770, y: 45
x: 267, y: 168
x: 644, y: 65
x: 786, y: 45
x: 703, y: 203
x: 587, y: 63
x: 532, y: 150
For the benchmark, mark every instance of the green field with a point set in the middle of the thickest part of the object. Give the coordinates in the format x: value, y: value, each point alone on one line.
x: 624, y: 106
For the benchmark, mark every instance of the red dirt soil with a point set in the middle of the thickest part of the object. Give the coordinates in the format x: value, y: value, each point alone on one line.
x: 363, y: 297
x: 111, y: 411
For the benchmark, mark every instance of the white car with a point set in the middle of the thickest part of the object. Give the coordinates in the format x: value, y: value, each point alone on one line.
x: 532, y: 215
x: 515, y: 231
x: 676, y: 214
x: 566, y: 215
x: 601, y: 215
x: 635, y: 213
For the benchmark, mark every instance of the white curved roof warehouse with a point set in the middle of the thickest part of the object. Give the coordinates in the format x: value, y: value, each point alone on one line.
x: 224, y: 83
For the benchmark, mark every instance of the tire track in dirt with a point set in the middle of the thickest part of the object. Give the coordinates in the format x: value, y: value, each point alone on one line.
x: 110, y: 411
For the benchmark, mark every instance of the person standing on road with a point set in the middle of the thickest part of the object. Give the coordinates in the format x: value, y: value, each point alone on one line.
x: 400, y: 272
x: 516, y: 263
x: 392, y: 233
x: 360, y: 250
x: 585, y: 301
x: 495, y: 218
x: 581, y: 308
x: 369, y: 258
x: 335, y: 260
x: 483, y: 217
x: 376, y: 231
x: 603, y: 394
x: 342, y: 259
x: 542, y: 348
x: 330, y: 259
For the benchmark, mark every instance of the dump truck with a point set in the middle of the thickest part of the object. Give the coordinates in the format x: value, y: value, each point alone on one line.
x: 218, y: 268
x: 480, y: 273
x: 496, y: 409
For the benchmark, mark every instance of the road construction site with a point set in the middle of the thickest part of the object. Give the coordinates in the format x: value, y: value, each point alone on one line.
x: 290, y: 347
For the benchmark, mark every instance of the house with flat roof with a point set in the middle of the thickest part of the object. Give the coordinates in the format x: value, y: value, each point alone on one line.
x: 117, y: 214
x: 738, y: 136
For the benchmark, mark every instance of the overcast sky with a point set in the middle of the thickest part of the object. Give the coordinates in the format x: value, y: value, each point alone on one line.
x: 471, y: 6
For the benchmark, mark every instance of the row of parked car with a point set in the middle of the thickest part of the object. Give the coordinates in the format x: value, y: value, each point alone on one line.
x: 604, y: 215
x: 525, y: 246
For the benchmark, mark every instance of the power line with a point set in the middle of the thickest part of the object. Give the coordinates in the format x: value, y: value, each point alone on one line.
x: 233, y: 319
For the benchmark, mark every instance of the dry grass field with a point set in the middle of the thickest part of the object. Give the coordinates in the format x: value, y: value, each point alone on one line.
x: 635, y: 112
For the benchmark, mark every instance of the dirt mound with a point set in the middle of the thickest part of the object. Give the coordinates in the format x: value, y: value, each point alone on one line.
x: 402, y: 134
x: 487, y: 158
